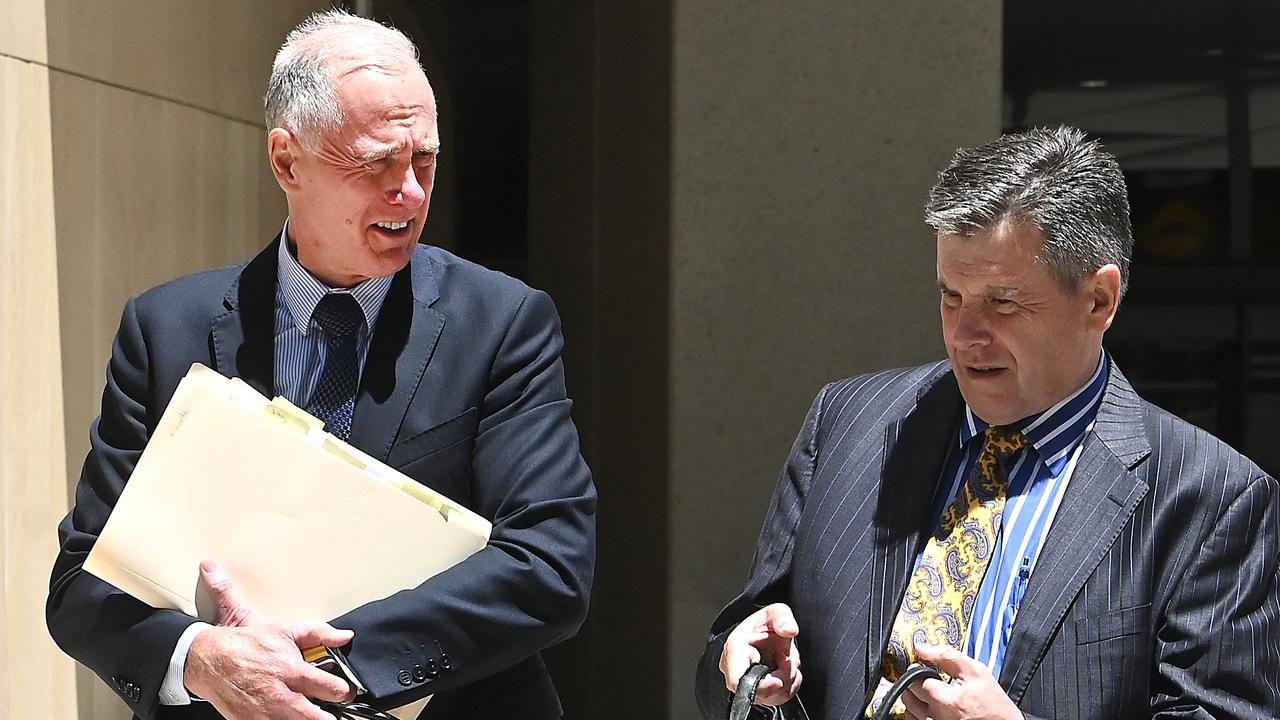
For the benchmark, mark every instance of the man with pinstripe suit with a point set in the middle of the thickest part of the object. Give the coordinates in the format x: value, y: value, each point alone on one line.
x: 1126, y: 566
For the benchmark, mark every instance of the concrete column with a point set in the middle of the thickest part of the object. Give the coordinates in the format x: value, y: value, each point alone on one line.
x: 136, y: 145
x: 36, y: 680
x: 727, y: 204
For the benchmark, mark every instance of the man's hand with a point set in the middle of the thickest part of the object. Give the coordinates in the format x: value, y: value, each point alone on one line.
x: 973, y: 693
x: 766, y: 636
x: 256, y: 672
x: 249, y: 668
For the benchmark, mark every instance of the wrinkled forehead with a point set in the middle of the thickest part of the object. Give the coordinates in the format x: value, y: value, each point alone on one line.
x: 999, y: 255
x: 361, y: 84
x: 379, y: 103
x: 991, y: 246
x: 355, y: 51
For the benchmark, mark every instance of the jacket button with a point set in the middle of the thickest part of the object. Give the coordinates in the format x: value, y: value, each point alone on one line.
x: 405, y: 678
x: 419, y: 674
x: 433, y: 668
x: 446, y: 662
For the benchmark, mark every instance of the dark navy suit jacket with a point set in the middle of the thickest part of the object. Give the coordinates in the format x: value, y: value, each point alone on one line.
x: 1155, y: 595
x: 463, y: 390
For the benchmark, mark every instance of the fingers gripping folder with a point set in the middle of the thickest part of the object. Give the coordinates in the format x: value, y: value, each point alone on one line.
x: 740, y: 707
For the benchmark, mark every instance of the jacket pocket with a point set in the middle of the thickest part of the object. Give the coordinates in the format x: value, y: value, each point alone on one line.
x: 1113, y: 663
x: 434, y: 439
x: 1114, y: 624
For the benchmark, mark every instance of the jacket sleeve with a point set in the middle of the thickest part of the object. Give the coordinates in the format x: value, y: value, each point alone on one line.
x: 770, y: 569
x: 1218, y: 643
x: 529, y: 587
x: 126, y: 642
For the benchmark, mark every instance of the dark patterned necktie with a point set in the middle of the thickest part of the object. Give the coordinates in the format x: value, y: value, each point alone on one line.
x: 334, y: 399
x: 938, y: 605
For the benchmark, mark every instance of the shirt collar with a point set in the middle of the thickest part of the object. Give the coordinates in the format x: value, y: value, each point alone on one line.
x: 1055, y: 432
x: 302, y: 291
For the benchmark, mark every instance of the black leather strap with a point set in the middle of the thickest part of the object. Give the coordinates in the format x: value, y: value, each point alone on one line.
x: 914, y: 672
x: 745, y: 697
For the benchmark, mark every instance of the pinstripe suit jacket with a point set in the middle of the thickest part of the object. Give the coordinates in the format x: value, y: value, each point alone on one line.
x: 1155, y: 594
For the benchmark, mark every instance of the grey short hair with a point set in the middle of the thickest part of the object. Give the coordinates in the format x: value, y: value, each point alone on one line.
x: 1056, y: 179
x: 301, y: 94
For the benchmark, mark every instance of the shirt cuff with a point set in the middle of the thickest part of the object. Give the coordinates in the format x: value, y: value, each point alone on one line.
x: 173, y: 691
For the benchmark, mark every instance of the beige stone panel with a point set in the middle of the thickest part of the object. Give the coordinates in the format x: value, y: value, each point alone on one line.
x: 806, y: 137
x: 146, y: 190
x: 36, y: 679
x: 22, y: 30
x: 214, y: 55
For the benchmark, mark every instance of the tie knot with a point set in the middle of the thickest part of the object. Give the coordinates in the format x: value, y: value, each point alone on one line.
x: 338, y: 314
x: 1004, y: 440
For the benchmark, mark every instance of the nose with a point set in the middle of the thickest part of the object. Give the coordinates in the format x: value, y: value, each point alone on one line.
x: 407, y: 190
x: 969, y: 329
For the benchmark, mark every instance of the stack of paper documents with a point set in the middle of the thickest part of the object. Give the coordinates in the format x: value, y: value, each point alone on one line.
x: 296, y: 517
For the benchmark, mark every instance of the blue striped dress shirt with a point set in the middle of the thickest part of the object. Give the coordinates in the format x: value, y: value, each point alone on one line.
x: 299, y: 347
x: 1038, y: 478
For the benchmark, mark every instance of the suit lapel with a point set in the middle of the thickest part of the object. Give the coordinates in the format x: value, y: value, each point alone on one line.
x: 399, y: 352
x: 1100, y: 498
x: 243, y: 337
x: 915, y: 450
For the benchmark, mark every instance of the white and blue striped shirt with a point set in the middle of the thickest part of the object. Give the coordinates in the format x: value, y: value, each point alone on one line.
x: 299, y: 347
x: 1038, y: 480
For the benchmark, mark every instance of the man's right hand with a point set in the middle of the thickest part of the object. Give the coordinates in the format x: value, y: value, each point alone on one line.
x: 766, y: 636
x: 257, y: 672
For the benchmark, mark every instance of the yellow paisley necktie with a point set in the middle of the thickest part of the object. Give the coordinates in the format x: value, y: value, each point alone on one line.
x: 940, y: 596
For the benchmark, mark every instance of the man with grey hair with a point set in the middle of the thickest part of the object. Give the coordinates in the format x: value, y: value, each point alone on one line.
x: 443, y: 369
x: 1015, y: 516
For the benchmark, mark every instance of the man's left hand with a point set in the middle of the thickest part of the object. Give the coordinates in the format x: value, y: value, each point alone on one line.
x: 972, y: 694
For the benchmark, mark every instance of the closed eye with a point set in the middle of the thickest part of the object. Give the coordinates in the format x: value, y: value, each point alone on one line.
x: 1005, y: 305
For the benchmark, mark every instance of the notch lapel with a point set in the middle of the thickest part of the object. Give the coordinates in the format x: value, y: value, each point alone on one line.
x: 1100, y: 498
x: 243, y: 337
x: 915, y: 450
x: 399, y: 352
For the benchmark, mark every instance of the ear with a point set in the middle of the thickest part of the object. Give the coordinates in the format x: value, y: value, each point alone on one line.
x: 283, y: 152
x: 1104, y: 294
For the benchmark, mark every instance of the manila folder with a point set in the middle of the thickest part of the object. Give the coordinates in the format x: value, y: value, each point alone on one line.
x: 306, y: 526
